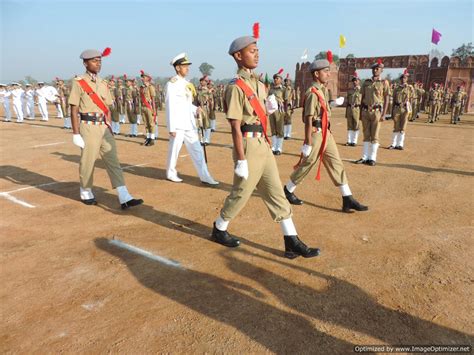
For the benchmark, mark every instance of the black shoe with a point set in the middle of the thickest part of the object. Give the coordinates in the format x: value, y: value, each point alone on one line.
x: 213, y: 130
x: 274, y: 152
x: 146, y: 142
x: 361, y: 161
x: 89, y: 202
x: 133, y: 202
x: 294, y: 247
x: 277, y: 152
x: 348, y: 144
x: 350, y: 203
x: 291, y: 197
x: 224, y: 238
x: 371, y: 162
x: 399, y: 147
x: 286, y: 138
x: 353, y: 144
x: 152, y: 142
x: 391, y: 147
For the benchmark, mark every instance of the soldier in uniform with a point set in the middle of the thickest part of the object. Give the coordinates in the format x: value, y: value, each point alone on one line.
x: 5, y: 95
x: 147, y: 99
x: 457, y: 104
x: 319, y: 145
x: 354, y: 97
x: 463, y: 102
x: 288, y: 107
x: 297, y: 96
x: 29, y: 102
x: 181, y: 122
x: 63, y: 93
x: 41, y: 93
x: 115, y: 106
x: 374, y: 107
x: 203, y: 100
x: 434, y: 100
x: 119, y: 99
x: 17, y: 95
x: 212, y: 106
x: 277, y: 117
x: 402, y: 97
x: 89, y: 99
x: 255, y: 165
x: 390, y: 101
x: 131, y: 103
x: 420, y: 93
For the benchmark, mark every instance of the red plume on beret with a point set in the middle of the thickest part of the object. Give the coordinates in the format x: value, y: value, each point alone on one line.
x: 288, y: 75
x: 329, y: 56
x: 106, y: 52
x: 405, y: 72
x: 125, y: 76
x: 256, y: 30
x: 142, y: 72
x: 280, y: 71
x: 356, y: 75
x: 379, y: 61
x: 112, y: 78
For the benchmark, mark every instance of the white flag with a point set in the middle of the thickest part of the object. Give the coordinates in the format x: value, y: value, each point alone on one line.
x: 305, y: 55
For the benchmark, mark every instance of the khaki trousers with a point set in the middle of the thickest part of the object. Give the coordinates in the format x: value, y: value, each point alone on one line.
x: 400, y: 119
x: 276, y: 123
x: 263, y: 176
x: 331, y: 160
x: 147, y: 115
x: 353, y: 118
x: 371, y: 125
x: 99, y: 141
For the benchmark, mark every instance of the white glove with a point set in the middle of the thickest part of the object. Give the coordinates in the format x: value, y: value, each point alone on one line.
x: 77, y: 140
x: 242, y: 169
x: 306, y: 150
x: 271, y: 104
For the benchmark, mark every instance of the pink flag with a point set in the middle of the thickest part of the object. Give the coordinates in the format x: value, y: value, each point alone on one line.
x: 435, y: 36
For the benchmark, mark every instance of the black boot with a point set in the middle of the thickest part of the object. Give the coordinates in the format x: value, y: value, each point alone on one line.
x: 294, y: 247
x: 361, y: 161
x: 291, y: 197
x: 224, y: 238
x: 350, y: 203
x: 146, y: 142
x: 131, y: 203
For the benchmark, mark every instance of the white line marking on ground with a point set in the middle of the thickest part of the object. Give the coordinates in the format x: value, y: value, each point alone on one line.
x: 436, y: 139
x: 144, y: 253
x: 30, y: 187
x: 15, y: 200
x: 133, y: 166
x: 46, y: 145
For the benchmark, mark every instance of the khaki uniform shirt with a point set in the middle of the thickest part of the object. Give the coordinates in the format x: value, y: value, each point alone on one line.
x: 374, y: 92
x: 238, y: 106
x: 312, y: 106
x: 149, y: 93
x: 78, y: 96
x: 402, y: 95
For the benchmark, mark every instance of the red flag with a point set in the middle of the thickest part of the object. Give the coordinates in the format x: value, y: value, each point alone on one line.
x: 435, y: 36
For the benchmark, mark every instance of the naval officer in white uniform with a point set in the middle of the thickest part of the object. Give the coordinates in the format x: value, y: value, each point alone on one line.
x: 181, y: 122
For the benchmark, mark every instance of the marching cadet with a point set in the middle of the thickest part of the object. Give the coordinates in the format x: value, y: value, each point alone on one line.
x: 426, y: 101
x: 114, y: 106
x: 297, y: 96
x: 119, y: 99
x: 277, y: 117
x: 212, y: 106
x: 457, y: 104
x: 354, y: 97
x: 390, y: 101
x: 434, y: 100
x: 202, y: 100
x: 90, y: 116
x: 288, y: 107
x: 131, y: 103
x: 402, y: 97
x: 420, y: 94
x: 17, y: 96
x: 255, y: 165
x: 29, y: 102
x: 159, y: 97
x: 5, y: 95
x: 63, y: 93
x: 41, y: 93
x: 147, y: 99
x: 181, y: 122
x: 374, y: 103
x: 319, y: 145
x: 463, y: 102
x: 139, y: 101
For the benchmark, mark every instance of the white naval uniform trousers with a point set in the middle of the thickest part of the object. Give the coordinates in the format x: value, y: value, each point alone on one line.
x: 6, y: 103
x: 17, y: 95
x: 43, y: 108
x: 180, y: 119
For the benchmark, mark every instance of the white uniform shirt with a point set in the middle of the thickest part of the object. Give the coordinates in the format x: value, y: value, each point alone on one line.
x: 180, y: 111
x: 29, y: 95
x: 17, y: 94
x: 5, y: 96
x: 41, y: 93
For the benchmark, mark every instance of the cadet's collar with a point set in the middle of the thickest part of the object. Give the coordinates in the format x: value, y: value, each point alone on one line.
x: 92, y: 76
x: 246, y: 74
x: 318, y: 85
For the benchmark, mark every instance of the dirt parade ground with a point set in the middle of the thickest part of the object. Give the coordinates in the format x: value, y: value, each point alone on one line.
x: 400, y: 273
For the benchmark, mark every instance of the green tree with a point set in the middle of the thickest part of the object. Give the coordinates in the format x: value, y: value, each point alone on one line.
x: 30, y: 80
x: 464, y: 51
x: 350, y: 55
x: 323, y: 55
x: 206, y: 68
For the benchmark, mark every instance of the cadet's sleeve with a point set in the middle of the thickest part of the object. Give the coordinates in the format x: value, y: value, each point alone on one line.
x: 234, y: 99
x: 387, y: 89
x: 108, y: 96
x: 311, y: 105
x: 75, y: 95
x: 152, y: 91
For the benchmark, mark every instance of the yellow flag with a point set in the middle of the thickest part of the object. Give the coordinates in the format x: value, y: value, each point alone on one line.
x: 342, y: 41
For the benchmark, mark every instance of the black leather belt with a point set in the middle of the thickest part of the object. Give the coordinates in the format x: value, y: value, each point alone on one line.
x: 251, y: 128
x: 93, y: 117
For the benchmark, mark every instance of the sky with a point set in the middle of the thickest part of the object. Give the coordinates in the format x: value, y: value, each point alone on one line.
x: 44, y: 38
